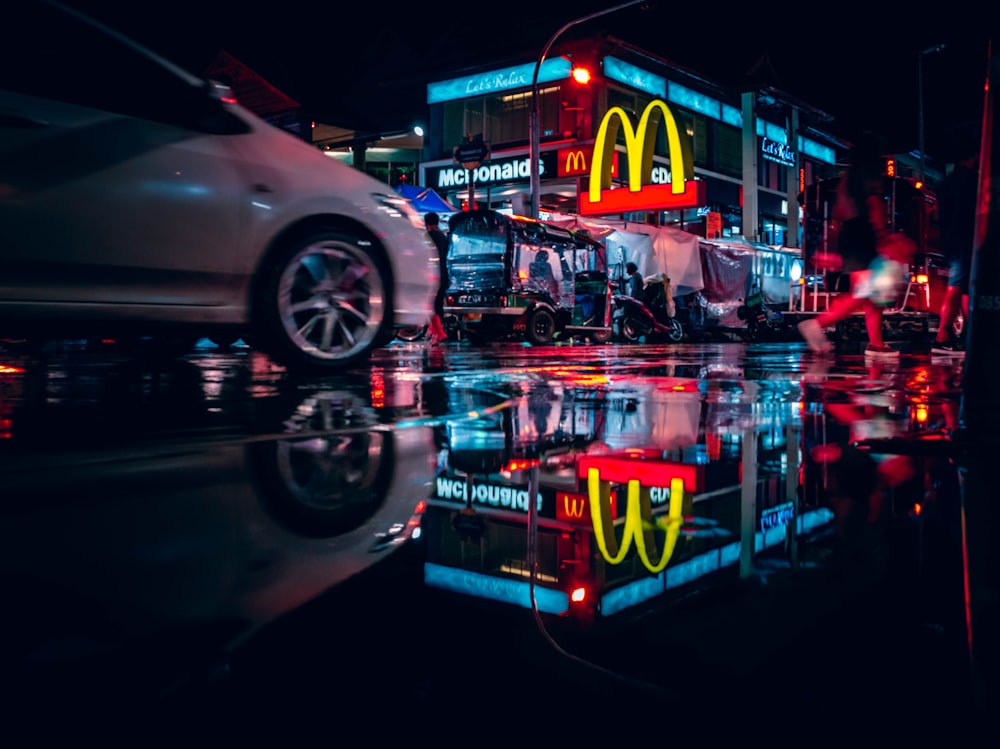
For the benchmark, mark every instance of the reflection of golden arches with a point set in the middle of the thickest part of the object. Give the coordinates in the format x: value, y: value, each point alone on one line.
x: 639, y: 145
x: 572, y: 507
x: 638, y: 521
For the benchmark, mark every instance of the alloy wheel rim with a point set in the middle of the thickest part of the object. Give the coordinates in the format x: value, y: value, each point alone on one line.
x: 331, y: 300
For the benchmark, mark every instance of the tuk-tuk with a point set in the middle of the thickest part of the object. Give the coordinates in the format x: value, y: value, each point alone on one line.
x: 516, y: 277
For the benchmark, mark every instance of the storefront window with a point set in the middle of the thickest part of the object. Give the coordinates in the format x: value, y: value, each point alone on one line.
x: 502, y: 119
x: 728, y: 151
x: 695, y: 127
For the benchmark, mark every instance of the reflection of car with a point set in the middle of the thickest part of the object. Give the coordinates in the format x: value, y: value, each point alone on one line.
x: 144, y: 565
x: 137, y: 198
x: 510, y: 276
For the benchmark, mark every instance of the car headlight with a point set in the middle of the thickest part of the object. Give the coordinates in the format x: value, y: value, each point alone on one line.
x: 399, y: 207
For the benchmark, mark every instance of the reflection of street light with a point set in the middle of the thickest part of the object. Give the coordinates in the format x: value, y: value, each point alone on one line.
x: 535, y: 147
x: 920, y: 98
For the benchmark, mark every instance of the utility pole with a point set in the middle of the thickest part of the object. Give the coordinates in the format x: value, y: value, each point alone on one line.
x: 533, y: 124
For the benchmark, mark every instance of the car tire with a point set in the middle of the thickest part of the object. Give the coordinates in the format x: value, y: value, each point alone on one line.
x: 541, y: 327
x: 322, y: 301
x: 325, y: 486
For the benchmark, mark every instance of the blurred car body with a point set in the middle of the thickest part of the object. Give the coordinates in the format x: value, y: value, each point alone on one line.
x: 138, y: 198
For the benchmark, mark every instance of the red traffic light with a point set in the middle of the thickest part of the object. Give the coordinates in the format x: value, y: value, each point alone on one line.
x: 581, y: 75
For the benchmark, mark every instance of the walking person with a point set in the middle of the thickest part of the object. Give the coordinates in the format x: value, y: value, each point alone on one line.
x: 634, y: 281
x: 436, y: 327
x: 957, y: 219
x: 860, y: 209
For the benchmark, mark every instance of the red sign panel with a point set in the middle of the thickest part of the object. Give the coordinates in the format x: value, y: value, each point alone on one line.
x: 649, y: 198
x: 576, y: 161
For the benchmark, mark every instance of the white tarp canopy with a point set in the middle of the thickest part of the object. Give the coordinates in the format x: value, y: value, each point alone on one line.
x: 654, y: 249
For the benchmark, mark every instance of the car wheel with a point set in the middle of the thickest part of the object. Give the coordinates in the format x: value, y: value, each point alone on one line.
x: 323, y: 301
x: 541, y: 327
x: 324, y: 486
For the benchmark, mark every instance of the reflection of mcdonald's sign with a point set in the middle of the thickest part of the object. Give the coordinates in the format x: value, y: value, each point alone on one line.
x: 683, y: 191
x: 573, y: 508
x: 639, y: 525
x: 575, y: 161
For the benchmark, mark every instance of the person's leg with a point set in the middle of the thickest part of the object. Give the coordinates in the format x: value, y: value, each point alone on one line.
x: 950, y: 303
x: 873, y: 325
x: 813, y: 330
x: 839, y: 308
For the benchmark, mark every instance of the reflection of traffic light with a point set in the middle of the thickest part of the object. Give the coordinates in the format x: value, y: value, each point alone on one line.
x: 581, y: 74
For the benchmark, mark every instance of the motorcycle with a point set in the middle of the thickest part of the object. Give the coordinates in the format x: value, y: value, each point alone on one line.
x: 762, y: 322
x: 647, y: 319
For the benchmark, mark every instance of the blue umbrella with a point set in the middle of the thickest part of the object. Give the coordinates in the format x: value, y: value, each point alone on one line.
x: 425, y: 200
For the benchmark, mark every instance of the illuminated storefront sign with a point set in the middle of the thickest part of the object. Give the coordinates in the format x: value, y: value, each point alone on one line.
x: 491, y: 587
x: 630, y: 75
x: 574, y: 508
x: 773, y: 150
x: 505, y: 79
x: 499, y: 496
x: 576, y: 161
x: 640, y: 526
x: 776, y: 516
x: 496, y: 171
x: 642, y: 192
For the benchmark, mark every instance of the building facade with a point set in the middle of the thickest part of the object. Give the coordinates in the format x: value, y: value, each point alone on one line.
x: 634, y: 102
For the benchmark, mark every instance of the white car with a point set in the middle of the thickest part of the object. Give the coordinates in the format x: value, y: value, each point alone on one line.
x: 136, y: 198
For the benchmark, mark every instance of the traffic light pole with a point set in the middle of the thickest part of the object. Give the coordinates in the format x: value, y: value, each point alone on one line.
x: 533, y: 124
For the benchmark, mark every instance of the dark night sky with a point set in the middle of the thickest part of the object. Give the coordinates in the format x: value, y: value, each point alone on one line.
x: 350, y: 62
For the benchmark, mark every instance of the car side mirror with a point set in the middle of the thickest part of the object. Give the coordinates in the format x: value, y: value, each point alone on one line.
x: 220, y: 92
x: 212, y: 114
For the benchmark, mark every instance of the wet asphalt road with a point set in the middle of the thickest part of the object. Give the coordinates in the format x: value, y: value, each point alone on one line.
x: 835, y: 646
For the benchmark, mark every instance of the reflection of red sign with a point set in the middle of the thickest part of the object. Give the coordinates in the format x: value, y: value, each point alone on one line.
x: 575, y: 508
x: 648, y: 472
x: 576, y: 161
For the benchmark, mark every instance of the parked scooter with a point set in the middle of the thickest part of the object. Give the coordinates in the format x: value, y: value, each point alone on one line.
x: 762, y: 322
x: 651, y: 318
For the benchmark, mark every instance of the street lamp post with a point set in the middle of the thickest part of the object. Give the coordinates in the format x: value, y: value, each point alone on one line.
x: 534, y: 135
x: 920, y: 99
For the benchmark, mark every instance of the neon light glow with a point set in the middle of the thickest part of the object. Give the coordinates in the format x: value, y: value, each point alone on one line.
x: 516, y: 592
x: 682, y: 191
x: 516, y: 76
x: 639, y: 525
x: 630, y: 75
x: 699, y: 566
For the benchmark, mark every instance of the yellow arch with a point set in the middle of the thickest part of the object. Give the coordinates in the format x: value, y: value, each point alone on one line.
x: 639, y: 145
x: 638, y: 522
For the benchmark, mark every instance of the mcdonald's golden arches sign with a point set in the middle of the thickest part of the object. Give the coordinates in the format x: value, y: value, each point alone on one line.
x: 641, y: 194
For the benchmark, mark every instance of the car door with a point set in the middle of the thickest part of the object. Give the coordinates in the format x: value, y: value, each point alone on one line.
x: 117, y: 184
